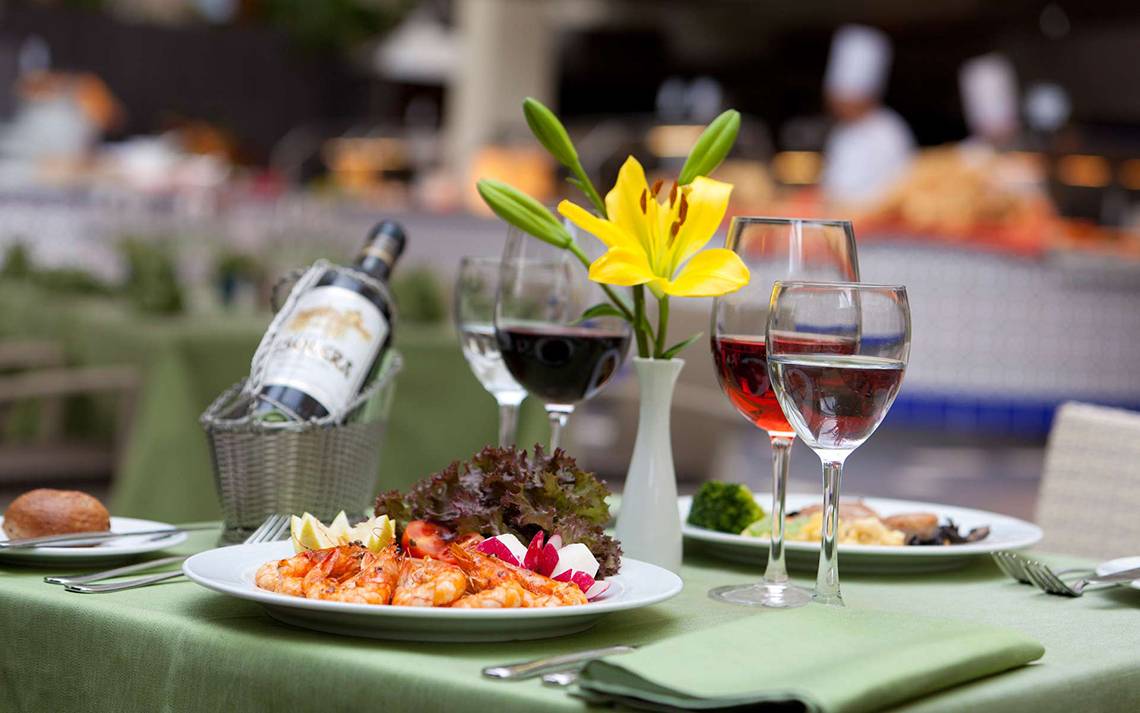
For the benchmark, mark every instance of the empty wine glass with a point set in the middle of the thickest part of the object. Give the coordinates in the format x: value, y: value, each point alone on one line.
x: 836, y: 356
x: 475, y: 290
x: 547, y: 346
x: 773, y: 249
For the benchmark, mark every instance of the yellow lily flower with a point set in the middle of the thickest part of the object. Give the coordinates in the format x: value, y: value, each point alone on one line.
x: 658, y: 243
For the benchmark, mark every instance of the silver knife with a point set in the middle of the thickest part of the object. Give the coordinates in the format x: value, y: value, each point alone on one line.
x: 1122, y: 576
x: 76, y: 539
x: 530, y: 669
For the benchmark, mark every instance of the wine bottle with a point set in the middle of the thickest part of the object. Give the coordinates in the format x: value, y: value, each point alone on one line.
x: 332, y: 342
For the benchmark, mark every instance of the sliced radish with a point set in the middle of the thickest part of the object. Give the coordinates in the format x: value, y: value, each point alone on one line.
x: 572, y: 563
x: 533, y: 552
x: 542, y: 557
x: 549, y: 558
x: 576, y: 557
x: 583, y: 580
x: 598, y: 589
x: 505, y: 547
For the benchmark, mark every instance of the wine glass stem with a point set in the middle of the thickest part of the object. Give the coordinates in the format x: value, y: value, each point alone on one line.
x: 558, y: 418
x: 777, y: 570
x: 508, y: 421
x: 827, y: 580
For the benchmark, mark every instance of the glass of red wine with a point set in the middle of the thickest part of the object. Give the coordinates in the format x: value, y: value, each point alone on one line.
x: 836, y: 390
x: 774, y: 249
x: 557, y: 355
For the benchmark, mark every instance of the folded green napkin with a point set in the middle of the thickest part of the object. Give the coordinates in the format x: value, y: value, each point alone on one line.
x: 819, y: 658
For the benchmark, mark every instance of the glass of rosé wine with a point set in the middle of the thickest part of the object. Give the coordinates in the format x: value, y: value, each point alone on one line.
x: 773, y: 249
x: 837, y: 392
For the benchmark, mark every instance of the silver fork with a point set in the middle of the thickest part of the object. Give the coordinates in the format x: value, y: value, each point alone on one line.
x: 272, y: 529
x: 116, y: 572
x: 1048, y: 581
x: 1014, y: 565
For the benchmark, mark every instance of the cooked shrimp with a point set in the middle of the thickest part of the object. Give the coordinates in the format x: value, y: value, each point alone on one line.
x: 508, y: 595
x: 374, y: 584
x: 334, y: 566
x: 428, y: 583
x: 559, y: 594
x: 486, y: 571
x: 287, y: 576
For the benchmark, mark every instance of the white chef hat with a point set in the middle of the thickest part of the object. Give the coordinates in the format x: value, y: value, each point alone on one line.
x: 859, y: 63
x: 989, y: 94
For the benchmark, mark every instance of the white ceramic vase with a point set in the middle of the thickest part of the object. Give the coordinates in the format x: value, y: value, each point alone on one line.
x: 648, y: 525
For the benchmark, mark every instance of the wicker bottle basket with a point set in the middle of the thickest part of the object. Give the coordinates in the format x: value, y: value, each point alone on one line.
x: 318, y: 466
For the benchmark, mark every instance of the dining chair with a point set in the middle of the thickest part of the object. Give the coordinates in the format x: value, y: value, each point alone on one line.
x: 35, y: 372
x: 1089, y: 502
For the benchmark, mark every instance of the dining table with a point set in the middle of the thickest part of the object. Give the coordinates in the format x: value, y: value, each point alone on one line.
x: 179, y: 647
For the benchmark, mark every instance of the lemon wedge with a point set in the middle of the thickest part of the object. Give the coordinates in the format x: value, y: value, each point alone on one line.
x: 309, y: 534
x: 339, y: 529
x: 375, y: 533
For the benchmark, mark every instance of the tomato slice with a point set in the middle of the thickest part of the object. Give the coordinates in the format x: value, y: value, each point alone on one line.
x: 426, y: 539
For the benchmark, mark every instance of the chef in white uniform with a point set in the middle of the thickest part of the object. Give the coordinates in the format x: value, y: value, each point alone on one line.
x: 988, y: 85
x: 870, y: 147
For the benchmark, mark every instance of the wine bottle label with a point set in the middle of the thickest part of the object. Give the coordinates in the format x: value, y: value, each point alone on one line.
x: 327, y: 345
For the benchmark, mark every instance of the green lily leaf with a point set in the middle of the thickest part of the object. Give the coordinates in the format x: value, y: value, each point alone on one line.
x: 523, y: 212
x: 712, y: 146
x: 550, y: 132
x: 602, y: 309
x: 679, y: 346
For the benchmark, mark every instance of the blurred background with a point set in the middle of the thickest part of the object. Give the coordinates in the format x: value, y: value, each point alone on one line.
x: 163, y: 162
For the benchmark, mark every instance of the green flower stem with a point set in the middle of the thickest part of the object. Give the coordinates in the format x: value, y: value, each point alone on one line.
x: 639, y: 316
x: 617, y: 300
x: 588, y: 188
x: 662, y: 325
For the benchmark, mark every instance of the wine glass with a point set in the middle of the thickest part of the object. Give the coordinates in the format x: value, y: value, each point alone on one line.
x: 475, y: 290
x: 836, y: 357
x: 548, y: 347
x: 773, y: 249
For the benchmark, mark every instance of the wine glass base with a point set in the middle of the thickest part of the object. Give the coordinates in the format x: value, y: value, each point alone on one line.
x: 763, y: 594
x: 828, y: 601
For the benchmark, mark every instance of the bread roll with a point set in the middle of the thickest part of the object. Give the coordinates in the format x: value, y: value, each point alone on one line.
x: 44, y: 511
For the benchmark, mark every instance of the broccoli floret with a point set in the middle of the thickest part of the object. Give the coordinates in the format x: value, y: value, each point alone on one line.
x: 724, y: 507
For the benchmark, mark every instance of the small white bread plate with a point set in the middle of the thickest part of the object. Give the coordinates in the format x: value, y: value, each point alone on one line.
x: 1119, y: 565
x: 119, y: 549
x: 231, y: 570
x: 1006, y: 533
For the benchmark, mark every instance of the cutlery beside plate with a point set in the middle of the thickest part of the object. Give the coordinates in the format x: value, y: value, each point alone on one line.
x: 129, y: 537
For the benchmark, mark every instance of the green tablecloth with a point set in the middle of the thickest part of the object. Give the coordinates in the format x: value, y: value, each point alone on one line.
x: 177, y: 647
x: 440, y: 411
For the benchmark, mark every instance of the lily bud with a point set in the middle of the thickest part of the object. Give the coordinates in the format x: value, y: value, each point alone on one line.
x: 550, y: 132
x: 712, y: 146
x: 523, y: 212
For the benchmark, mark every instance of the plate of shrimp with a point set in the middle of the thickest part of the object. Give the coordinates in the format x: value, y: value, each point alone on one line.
x: 354, y: 591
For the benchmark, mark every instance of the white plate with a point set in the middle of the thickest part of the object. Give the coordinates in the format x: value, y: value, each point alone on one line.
x: 1119, y: 565
x: 231, y: 570
x: 116, y: 550
x: 1006, y: 533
